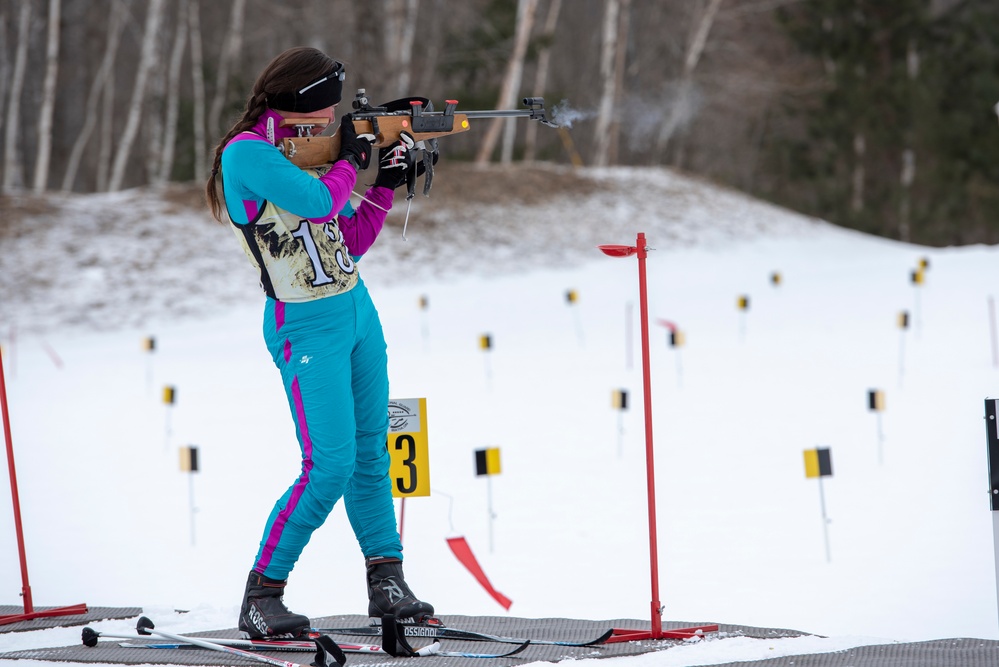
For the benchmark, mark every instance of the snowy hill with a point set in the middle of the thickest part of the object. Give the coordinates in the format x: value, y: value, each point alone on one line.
x: 85, y: 279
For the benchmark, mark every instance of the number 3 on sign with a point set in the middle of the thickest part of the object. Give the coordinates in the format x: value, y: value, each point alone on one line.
x: 408, y: 449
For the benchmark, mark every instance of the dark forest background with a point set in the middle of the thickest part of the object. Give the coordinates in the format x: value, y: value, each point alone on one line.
x: 876, y: 115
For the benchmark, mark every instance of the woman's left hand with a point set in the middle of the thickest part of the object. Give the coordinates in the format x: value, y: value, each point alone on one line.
x: 394, y: 162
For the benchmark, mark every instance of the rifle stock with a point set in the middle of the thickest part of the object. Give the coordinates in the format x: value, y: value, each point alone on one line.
x: 387, y: 126
x: 315, y: 151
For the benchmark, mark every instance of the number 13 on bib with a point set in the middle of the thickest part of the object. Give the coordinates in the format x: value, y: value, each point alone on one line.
x: 408, y: 449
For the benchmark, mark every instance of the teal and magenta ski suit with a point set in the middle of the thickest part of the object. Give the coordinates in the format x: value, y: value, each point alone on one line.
x: 322, y: 330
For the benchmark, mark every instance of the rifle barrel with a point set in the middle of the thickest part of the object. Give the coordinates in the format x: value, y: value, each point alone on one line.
x: 502, y: 113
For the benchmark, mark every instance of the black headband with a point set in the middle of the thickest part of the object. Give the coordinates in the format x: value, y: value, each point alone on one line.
x: 321, y: 93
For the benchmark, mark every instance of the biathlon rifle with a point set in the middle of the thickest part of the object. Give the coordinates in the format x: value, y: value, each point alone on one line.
x: 387, y: 124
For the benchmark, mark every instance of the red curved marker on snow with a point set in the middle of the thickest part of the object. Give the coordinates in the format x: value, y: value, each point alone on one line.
x: 463, y: 553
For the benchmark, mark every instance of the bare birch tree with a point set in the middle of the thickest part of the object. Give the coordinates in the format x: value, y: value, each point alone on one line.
x: 173, y: 96
x: 4, y: 62
x: 541, y: 75
x: 399, y: 34
x: 231, y: 48
x: 608, y: 58
x: 198, y: 91
x: 97, y: 87
x: 526, y: 10
x: 43, y: 158
x: 406, y: 41
x: 106, y: 132
x: 13, y: 174
x: 147, y: 60
x: 681, y: 108
x: 908, y: 172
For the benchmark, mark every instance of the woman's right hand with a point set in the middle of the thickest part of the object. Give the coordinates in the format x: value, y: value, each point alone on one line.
x: 354, y: 148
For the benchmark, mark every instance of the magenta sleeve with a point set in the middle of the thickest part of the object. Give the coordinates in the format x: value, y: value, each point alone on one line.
x: 361, y: 229
x: 339, y: 180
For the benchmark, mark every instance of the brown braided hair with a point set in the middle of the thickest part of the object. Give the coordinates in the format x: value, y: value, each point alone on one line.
x: 288, y: 71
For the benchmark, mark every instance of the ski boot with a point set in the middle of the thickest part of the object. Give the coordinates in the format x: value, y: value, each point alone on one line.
x: 388, y: 593
x: 263, y: 614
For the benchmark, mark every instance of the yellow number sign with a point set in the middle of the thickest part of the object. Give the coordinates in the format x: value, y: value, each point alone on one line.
x: 408, y: 448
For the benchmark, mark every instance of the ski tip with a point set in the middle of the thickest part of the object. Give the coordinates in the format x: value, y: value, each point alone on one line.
x: 517, y: 650
x: 144, y: 625
x: 90, y: 637
x: 601, y: 639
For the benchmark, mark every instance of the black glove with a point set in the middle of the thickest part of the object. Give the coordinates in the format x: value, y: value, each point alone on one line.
x: 395, y: 162
x: 353, y: 148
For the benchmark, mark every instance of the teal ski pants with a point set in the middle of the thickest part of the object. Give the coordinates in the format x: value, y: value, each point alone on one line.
x: 332, y: 356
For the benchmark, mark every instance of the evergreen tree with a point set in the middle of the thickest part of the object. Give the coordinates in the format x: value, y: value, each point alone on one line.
x: 903, y: 141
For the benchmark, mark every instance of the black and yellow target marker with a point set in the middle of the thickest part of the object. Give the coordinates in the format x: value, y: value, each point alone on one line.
x: 903, y: 319
x: 917, y: 277
x: 424, y: 302
x: 924, y: 263
x: 485, y: 342
x: 149, y: 344
x: 743, y: 302
x: 776, y: 278
x: 876, y: 400
x: 169, y: 395
x: 408, y: 446
x: 818, y: 462
x: 571, y: 296
x: 619, y: 399
x: 677, y: 338
x: 487, y: 461
x: 189, y: 459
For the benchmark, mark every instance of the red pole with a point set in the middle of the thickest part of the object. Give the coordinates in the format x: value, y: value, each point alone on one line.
x: 29, y: 609
x: 402, y: 517
x: 25, y: 586
x: 657, y: 621
x: 624, y: 634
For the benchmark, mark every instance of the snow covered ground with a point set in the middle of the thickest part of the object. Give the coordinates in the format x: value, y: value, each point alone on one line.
x: 107, y: 512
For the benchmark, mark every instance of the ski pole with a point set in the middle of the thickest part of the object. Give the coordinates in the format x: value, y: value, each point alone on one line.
x: 327, y: 653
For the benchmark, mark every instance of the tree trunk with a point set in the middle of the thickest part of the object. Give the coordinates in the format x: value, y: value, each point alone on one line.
x: 4, y: 62
x: 198, y: 93
x: 859, y: 149
x: 106, y: 133
x: 511, y: 82
x: 173, y: 96
x: 407, y: 39
x: 13, y: 176
x: 44, y: 156
x: 541, y: 77
x: 231, y: 48
x: 147, y: 60
x: 605, y: 109
x: 681, y: 109
x: 908, y: 174
x: 101, y: 79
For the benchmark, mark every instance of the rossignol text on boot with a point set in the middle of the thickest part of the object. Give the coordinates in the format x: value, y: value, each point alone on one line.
x: 263, y: 613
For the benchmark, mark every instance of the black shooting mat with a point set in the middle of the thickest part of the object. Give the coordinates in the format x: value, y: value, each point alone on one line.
x: 938, y: 653
x: 93, y: 615
x: 108, y: 651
